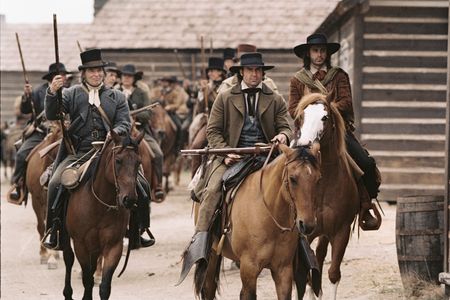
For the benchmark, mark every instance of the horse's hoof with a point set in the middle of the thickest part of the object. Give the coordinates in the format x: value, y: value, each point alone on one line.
x: 97, y: 280
x: 52, y: 264
x: 44, y: 260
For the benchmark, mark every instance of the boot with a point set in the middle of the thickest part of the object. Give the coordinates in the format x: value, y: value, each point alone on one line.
x: 159, y: 194
x: 147, y: 242
x: 15, y: 195
x: 366, y: 220
x: 51, y: 239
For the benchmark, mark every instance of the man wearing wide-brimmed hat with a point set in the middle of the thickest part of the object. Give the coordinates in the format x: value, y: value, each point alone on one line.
x: 138, y: 98
x: 229, y: 57
x: 242, y: 116
x: 232, y: 77
x: 32, y: 102
x: 112, y: 77
x: 319, y: 76
x: 94, y: 110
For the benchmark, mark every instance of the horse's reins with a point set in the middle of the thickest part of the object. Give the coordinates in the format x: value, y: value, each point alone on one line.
x: 282, y: 228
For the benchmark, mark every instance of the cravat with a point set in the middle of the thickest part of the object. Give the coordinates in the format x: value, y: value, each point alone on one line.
x: 94, y: 97
x: 251, y: 99
x: 320, y: 75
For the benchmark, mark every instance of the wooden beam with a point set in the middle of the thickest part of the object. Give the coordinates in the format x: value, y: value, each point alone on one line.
x: 447, y: 150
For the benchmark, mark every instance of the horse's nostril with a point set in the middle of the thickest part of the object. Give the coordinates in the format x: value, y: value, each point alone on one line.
x: 304, y: 228
x: 127, y: 203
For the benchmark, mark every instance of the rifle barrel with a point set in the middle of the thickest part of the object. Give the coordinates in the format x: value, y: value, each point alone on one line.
x: 225, y: 151
x: 148, y: 107
x: 25, y: 76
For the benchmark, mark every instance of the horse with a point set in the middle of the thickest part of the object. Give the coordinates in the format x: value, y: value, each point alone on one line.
x: 98, y: 215
x: 270, y: 208
x: 337, y: 195
x: 165, y: 133
x: 10, y: 135
x: 36, y: 166
x: 197, y: 139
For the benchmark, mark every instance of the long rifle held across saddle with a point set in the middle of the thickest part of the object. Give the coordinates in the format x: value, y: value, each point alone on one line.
x: 66, y: 138
x: 224, y: 151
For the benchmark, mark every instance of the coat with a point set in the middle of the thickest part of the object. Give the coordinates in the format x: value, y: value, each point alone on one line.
x: 227, y: 117
x: 339, y: 92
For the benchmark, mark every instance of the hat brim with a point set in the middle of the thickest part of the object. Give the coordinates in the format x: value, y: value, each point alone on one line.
x: 301, y: 49
x: 219, y: 69
x: 235, y: 69
x: 94, y: 65
x: 117, y: 71
x: 48, y: 76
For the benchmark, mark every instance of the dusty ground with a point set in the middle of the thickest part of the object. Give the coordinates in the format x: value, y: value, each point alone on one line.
x: 369, y: 269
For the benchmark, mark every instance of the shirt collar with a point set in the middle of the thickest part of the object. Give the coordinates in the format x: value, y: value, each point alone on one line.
x: 314, y: 70
x: 245, y: 86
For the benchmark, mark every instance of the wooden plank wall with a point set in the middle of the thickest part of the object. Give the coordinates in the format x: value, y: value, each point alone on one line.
x: 403, y: 94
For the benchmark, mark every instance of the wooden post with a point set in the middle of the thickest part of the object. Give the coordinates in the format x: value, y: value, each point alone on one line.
x: 447, y: 159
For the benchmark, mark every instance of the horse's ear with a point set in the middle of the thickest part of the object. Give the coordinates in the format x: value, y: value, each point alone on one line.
x: 140, y: 137
x: 315, y: 150
x: 115, y: 137
x: 285, y: 149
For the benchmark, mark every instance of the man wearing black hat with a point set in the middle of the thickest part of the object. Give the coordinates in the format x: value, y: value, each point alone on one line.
x: 32, y: 102
x: 216, y: 74
x: 248, y: 113
x: 112, y: 77
x: 138, y: 98
x: 228, y: 60
x: 318, y: 76
x: 94, y: 110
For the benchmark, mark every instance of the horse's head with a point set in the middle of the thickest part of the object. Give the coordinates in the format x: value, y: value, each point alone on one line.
x: 157, y: 122
x: 122, y: 167
x: 301, y: 174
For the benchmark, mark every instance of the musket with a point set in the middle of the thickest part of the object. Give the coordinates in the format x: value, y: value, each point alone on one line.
x: 25, y: 76
x: 148, y: 107
x: 79, y: 46
x: 224, y: 151
x: 211, y: 46
x: 180, y: 66
x: 203, y: 57
x: 66, y: 138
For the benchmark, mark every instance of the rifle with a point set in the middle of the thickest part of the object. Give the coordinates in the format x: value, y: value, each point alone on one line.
x: 224, y: 151
x: 211, y: 46
x: 203, y: 57
x: 180, y: 66
x: 148, y: 107
x: 25, y: 76
x: 79, y: 46
x: 66, y: 138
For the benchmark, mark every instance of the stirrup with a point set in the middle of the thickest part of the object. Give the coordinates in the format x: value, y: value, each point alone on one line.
x: 47, y: 240
x: 15, y: 187
x: 377, y: 217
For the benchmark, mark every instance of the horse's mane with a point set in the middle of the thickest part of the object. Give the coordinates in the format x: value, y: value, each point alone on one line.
x: 335, y: 117
x: 303, y: 153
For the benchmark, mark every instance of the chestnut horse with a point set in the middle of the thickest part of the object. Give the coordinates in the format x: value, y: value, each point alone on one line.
x: 36, y: 166
x: 165, y: 132
x: 337, y: 195
x: 270, y: 208
x: 98, y: 215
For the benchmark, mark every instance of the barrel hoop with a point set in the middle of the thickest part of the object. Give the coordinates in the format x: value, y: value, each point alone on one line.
x: 421, y: 199
x: 419, y: 232
x: 419, y: 258
x: 424, y: 209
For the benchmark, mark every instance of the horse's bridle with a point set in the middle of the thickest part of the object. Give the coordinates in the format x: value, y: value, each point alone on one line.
x: 117, y: 187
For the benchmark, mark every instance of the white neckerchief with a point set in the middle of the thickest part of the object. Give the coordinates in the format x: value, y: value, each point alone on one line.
x: 245, y: 86
x: 127, y: 92
x: 94, y: 96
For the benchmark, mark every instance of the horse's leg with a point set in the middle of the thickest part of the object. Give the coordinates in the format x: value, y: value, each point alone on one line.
x: 88, y: 263
x: 98, y: 270
x: 338, y: 245
x: 111, y: 259
x: 68, y: 261
x: 39, y: 210
x: 283, y: 281
x: 249, y: 274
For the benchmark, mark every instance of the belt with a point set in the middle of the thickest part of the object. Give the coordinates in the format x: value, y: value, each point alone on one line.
x: 98, y: 135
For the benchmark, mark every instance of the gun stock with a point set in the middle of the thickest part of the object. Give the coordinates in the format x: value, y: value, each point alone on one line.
x: 148, y: 107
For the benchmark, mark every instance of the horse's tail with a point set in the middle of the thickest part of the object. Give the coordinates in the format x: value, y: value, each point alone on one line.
x: 207, y: 276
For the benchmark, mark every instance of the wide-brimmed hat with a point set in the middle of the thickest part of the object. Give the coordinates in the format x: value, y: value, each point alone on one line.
x: 171, y: 79
x: 112, y: 67
x: 253, y: 59
x: 130, y: 69
x: 228, y: 53
x: 55, y: 69
x: 215, y: 63
x: 91, y: 58
x: 316, y: 39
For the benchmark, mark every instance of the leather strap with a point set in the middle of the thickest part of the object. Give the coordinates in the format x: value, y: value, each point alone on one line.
x: 105, y: 117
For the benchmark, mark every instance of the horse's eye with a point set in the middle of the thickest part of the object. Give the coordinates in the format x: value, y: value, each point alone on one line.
x: 118, y: 161
x: 293, y: 179
x: 324, y: 118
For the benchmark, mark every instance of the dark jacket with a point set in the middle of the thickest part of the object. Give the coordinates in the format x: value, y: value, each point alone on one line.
x: 38, y: 99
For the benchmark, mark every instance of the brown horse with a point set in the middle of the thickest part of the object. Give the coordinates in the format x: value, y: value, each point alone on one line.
x: 36, y: 166
x: 97, y: 214
x: 268, y: 210
x: 165, y: 133
x: 197, y: 139
x: 337, y: 195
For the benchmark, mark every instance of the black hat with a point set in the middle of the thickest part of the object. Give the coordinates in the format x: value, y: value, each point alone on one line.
x: 316, y: 39
x: 112, y: 67
x: 171, y: 79
x: 228, y: 53
x: 91, y: 59
x: 253, y: 59
x: 215, y: 63
x: 54, y: 69
x: 131, y: 70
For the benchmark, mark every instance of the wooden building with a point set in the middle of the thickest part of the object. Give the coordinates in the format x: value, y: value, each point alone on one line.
x: 396, y: 55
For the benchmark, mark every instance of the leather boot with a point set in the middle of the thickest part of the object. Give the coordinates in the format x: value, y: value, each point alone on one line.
x: 147, y: 242
x: 15, y: 195
x: 159, y: 194
x: 51, y: 239
x: 366, y: 220
x: 196, y: 252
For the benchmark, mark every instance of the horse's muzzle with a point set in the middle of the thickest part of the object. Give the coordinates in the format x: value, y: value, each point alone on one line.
x: 305, y: 228
x: 127, y: 202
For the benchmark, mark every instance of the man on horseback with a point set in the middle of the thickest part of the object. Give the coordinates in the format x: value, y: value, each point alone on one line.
x: 318, y: 76
x: 138, y: 98
x: 94, y: 110
x: 36, y: 130
x: 112, y: 77
x: 242, y: 116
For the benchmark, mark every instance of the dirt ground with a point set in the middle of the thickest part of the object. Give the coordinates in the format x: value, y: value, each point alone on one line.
x: 369, y: 269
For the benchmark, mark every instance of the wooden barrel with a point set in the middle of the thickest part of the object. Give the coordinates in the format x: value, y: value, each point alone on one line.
x: 420, y: 238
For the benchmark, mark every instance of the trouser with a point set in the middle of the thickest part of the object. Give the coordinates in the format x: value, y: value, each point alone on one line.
x: 365, y: 162
x: 212, y: 194
x: 181, y: 131
x: 158, y: 160
x: 22, y: 154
